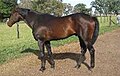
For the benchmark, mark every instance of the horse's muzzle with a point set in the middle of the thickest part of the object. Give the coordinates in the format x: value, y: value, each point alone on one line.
x: 9, y: 24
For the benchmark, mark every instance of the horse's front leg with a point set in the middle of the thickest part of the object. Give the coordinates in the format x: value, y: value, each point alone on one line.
x: 50, y: 55
x: 42, y: 55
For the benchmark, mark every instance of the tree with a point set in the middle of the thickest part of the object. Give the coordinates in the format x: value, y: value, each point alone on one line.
x: 67, y: 8
x: 97, y: 4
x: 57, y: 7
x: 81, y: 8
x: 48, y: 6
x: 5, y: 7
x: 113, y: 6
x: 25, y: 4
x: 106, y: 6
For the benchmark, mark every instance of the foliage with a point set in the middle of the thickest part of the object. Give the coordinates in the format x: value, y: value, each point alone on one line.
x: 106, y: 6
x: 81, y: 8
x: 68, y: 8
x: 98, y: 5
x: 113, y: 6
x: 54, y: 7
x: 6, y: 6
x: 25, y: 4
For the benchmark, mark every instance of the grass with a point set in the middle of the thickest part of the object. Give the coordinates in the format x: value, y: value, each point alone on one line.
x: 11, y: 47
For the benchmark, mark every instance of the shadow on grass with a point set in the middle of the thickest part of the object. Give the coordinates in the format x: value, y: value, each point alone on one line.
x: 58, y: 56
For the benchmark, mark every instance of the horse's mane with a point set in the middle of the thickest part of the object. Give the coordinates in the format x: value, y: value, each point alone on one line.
x: 39, y: 13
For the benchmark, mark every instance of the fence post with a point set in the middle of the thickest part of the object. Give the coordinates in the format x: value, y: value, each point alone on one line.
x: 110, y: 21
x: 18, y: 34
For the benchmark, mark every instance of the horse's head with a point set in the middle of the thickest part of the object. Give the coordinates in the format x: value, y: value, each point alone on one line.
x: 17, y: 15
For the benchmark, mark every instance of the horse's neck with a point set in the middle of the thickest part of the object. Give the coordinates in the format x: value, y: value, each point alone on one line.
x: 30, y: 20
x: 33, y: 18
x: 29, y: 23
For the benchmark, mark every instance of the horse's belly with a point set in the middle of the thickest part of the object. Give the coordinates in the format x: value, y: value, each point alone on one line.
x: 62, y: 34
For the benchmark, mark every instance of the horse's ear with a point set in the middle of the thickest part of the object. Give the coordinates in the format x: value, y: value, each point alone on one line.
x: 16, y: 8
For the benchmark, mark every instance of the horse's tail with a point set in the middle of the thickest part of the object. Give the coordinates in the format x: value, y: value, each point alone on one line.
x: 96, y: 30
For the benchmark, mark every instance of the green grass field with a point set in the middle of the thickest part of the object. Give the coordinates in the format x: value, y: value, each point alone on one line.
x: 11, y: 47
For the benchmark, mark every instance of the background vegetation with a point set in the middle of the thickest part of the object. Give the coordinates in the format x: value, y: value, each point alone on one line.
x: 58, y: 8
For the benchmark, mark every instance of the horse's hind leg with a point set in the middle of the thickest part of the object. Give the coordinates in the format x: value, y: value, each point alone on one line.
x: 92, y: 56
x: 83, y: 51
x: 42, y: 55
x: 50, y: 55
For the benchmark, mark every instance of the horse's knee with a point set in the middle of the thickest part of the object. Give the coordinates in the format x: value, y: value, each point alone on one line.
x: 41, y: 56
x: 92, y: 51
x: 83, y: 50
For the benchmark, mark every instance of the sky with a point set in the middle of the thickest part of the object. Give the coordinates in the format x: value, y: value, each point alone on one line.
x: 74, y: 2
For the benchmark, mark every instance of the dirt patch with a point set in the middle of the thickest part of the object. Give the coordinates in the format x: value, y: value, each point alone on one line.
x: 107, y: 60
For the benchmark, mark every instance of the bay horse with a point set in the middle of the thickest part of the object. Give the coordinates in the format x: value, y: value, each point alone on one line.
x: 46, y: 27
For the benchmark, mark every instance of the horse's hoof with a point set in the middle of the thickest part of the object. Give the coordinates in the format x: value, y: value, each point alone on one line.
x: 39, y: 58
x: 42, y: 69
x: 92, y: 66
x: 77, y: 66
x: 90, y: 69
x: 52, y: 63
x: 53, y: 66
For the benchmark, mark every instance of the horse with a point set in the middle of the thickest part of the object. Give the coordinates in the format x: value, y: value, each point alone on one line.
x: 46, y: 27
